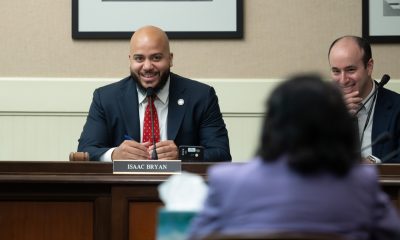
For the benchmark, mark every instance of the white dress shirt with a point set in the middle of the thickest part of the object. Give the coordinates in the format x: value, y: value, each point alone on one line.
x: 362, y: 115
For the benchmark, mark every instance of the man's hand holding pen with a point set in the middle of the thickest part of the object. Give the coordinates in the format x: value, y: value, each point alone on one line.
x: 130, y: 149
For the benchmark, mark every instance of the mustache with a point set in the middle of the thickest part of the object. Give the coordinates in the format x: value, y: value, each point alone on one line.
x: 151, y: 72
x: 163, y: 80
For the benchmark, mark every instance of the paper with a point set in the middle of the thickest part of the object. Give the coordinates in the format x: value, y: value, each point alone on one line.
x: 183, y: 192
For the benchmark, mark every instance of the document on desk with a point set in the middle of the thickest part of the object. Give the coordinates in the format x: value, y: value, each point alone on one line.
x: 147, y: 166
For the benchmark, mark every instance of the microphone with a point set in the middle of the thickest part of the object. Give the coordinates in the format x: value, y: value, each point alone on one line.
x: 149, y: 95
x: 383, y: 137
x: 385, y: 79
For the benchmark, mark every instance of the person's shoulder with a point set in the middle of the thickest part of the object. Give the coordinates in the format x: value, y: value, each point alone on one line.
x: 390, y: 99
x: 187, y: 82
x: 365, y: 172
x: 115, y: 86
x: 390, y: 94
x: 233, y: 169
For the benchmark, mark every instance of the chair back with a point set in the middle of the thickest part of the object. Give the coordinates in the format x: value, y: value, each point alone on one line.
x: 277, y: 236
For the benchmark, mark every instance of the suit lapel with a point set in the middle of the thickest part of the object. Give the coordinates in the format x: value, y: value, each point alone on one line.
x: 178, y: 100
x: 381, y: 118
x: 128, y: 104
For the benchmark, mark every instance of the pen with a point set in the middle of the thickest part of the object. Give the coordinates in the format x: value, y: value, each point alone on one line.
x: 127, y: 137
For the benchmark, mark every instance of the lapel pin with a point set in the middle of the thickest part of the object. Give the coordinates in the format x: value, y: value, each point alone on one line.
x: 181, y: 102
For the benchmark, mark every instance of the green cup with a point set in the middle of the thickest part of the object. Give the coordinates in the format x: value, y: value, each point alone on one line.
x: 173, y: 225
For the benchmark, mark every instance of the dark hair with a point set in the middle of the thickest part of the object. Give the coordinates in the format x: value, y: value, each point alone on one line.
x: 307, y: 120
x: 362, y: 43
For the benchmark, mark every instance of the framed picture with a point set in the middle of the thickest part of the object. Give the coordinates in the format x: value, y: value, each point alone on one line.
x: 186, y: 19
x: 381, y: 21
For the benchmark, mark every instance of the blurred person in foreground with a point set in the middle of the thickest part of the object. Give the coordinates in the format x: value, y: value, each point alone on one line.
x: 187, y: 111
x: 351, y: 62
x: 307, y: 176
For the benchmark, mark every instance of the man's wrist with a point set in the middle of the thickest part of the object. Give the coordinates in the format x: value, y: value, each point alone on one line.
x: 373, y: 159
x: 107, y: 156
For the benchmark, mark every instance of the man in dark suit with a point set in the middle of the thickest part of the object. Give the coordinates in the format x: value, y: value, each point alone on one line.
x: 351, y: 62
x: 187, y: 111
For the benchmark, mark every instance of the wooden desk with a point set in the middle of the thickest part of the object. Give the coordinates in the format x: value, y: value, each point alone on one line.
x: 78, y: 200
x: 84, y: 200
x: 390, y: 182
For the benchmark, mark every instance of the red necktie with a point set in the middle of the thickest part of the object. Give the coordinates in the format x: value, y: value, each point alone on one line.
x: 147, y: 136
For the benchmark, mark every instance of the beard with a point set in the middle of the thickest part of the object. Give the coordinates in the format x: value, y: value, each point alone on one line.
x: 157, y: 88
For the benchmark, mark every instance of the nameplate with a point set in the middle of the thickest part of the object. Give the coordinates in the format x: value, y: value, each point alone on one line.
x: 146, y: 166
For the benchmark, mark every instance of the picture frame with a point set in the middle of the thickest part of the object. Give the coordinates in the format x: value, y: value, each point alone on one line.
x: 381, y: 21
x: 180, y: 19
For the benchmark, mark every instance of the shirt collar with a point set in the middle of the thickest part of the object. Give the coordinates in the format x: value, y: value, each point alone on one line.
x: 162, y: 95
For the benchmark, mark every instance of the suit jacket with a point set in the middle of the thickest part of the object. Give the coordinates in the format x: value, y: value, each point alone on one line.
x: 114, y: 113
x: 386, y: 119
x: 270, y: 197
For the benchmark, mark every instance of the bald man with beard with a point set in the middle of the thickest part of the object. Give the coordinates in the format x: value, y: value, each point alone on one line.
x: 188, y: 111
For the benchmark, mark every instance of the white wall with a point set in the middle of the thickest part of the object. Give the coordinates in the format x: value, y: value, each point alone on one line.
x: 42, y: 118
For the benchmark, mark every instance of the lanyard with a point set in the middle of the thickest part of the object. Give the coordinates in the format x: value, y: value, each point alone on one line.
x: 368, y: 116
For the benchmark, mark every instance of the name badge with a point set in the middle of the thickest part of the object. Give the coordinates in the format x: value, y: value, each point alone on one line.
x: 147, y: 166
